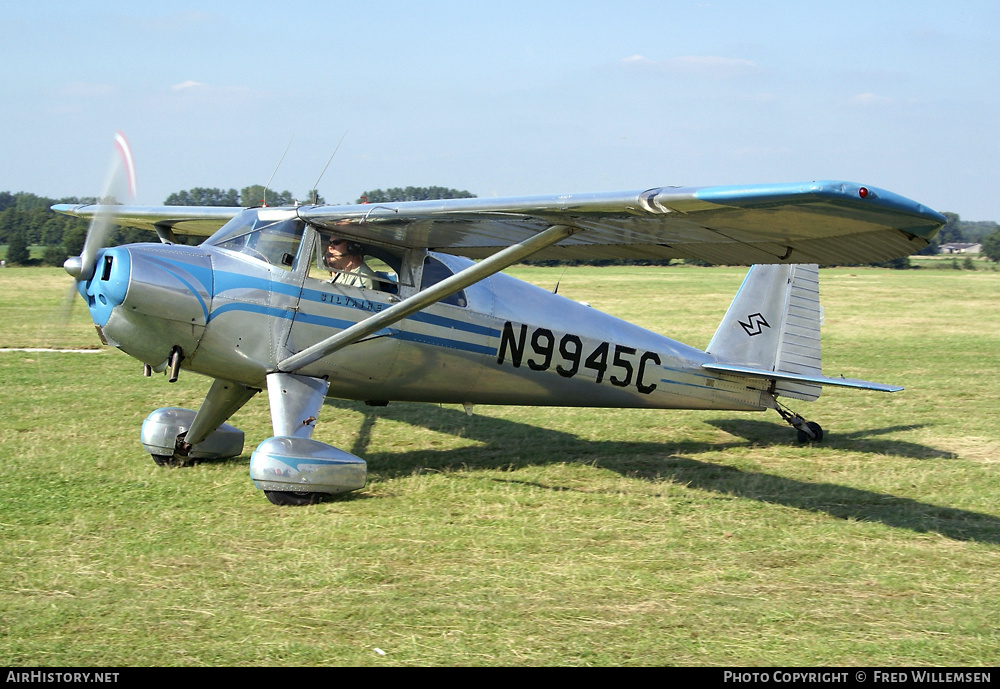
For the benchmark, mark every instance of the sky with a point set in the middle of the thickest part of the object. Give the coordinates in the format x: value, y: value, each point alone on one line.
x: 504, y: 99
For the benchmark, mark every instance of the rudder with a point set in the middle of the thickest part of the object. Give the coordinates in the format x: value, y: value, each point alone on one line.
x: 773, y: 325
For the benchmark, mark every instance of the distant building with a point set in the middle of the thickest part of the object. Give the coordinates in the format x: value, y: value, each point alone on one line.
x: 960, y: 248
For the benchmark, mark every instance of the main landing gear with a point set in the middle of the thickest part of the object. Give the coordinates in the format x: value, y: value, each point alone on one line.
x: 291, y: 468
x: 808, y: 431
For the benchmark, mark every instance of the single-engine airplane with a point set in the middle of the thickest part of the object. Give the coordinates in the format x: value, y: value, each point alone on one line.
x: 254, y: 306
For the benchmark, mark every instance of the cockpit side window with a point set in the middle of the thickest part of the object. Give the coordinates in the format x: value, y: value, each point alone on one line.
x: 270, y: 236
x: 349, y: 263
x: 434, y: 272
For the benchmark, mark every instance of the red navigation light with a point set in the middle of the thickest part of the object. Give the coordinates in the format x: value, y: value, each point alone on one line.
x: 863, y: 192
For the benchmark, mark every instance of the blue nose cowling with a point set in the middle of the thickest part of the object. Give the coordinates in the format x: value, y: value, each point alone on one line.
x: 108, y: 286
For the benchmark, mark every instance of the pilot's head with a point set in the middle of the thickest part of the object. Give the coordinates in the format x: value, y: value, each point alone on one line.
x: 340, y: 249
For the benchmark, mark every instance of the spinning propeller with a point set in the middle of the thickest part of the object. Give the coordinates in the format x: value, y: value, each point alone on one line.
x: 119, y: 186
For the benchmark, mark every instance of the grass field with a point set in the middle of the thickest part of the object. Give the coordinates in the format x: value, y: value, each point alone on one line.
x: 525, y: 536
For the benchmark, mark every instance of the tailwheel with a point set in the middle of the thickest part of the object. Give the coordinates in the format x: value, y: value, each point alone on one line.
x: 814, y: 434
x: 808, y: 431
x: 286, y: 497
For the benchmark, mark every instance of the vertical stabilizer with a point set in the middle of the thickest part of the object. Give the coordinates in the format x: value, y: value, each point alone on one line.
x: 773, y: 325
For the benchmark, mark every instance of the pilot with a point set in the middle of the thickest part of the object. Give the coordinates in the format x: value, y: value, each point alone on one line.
x: 345, y: 260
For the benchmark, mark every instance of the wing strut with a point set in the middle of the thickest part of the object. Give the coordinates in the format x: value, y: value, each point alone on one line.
x: 427, y: 297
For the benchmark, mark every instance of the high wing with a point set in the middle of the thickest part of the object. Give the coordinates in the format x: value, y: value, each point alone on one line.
x: 815, y: 222
x: 825, y: 222
x: 197, y: 221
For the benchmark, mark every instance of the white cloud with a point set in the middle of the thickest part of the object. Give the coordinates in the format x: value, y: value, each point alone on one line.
x: 208, y: 98
x: 637, y: 60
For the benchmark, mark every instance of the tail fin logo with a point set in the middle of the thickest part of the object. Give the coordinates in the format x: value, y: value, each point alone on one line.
x: 756, y: 325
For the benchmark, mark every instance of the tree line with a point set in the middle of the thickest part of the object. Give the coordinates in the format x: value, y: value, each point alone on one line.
x: 26, y: 220
x: 394, y: 194
x: 958, y: 231
x: 254, y: 195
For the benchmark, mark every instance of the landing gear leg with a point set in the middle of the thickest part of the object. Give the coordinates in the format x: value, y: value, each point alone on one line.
x: 808, y: 431
x: 292, y: 468
x: 175, y: 436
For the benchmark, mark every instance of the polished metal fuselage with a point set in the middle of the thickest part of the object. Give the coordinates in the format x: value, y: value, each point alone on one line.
x: 235, y: 318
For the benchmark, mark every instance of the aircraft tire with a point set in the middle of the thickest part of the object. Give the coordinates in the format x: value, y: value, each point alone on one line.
x: 815, y: 428
x: 169, y: 460
x: 285, y: 497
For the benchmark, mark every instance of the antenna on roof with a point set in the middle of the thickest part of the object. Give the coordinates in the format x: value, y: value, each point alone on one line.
x: 556, y: 290
x: 263, y: 201
x: 313, y: 193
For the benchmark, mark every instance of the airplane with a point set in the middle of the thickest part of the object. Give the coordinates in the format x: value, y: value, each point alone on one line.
x: 255, y: 307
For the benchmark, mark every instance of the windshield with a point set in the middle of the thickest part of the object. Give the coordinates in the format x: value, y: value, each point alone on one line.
x: 269, y: 235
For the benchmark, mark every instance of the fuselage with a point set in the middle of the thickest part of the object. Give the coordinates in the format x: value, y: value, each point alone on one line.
x: 236, y: 310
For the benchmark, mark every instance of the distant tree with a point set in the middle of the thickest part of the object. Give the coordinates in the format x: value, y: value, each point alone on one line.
x: 951, y: 232
x: 957, y: 230
x: 978, y: 231
x: 313, y: 198
x: 991, y: 247
x: 24, y: 201
x: 52, y: 230
x: 15, y: 219
x: 254, y: 195
x: 901, y: 263
x: 8, y: 221
x: 412, y: 194
x: 131, y: 235
x: 17, y: 249
x: 55, y: 255
x: 203, y: 196
x: 32, y: 215
x: 73, y: 239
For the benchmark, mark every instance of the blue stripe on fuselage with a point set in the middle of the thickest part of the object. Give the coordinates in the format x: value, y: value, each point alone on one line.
x: 694, y: 374
x: 252, y: 308
x: 192, y: 270
x: 230, y: 281
x: 218, y: 282
x: 341, y: 324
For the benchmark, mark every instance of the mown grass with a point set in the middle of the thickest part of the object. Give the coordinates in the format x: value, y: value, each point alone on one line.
x: 523, y: 535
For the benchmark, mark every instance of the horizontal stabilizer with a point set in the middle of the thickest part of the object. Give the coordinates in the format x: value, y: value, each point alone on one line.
x: 799, y: 378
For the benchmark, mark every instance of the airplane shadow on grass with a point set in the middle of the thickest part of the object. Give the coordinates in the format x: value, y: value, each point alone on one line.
x: 505, y: 444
